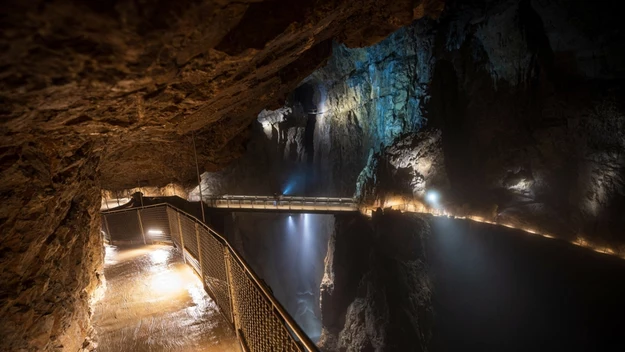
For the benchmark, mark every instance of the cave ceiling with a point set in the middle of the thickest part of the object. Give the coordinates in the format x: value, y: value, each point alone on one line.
x: 134, y: 80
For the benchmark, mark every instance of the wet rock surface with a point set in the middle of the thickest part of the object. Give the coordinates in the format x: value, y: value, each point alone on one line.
x: 376, y: 291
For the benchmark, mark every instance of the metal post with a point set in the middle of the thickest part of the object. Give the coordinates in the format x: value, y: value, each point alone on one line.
x: 140, y: 193
x: 199, y: 249
x: 231, y: 291
x: 106, y: 202
x: 181, y: 237
x: 106, y: 224
x: 199, y: 180
x: 141, y: 225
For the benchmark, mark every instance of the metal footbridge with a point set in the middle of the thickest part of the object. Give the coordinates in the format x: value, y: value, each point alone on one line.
x: 285, y: 204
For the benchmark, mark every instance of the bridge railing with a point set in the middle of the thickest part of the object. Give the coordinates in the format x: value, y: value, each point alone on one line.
x: 282, y: 203
x: 260, y: 321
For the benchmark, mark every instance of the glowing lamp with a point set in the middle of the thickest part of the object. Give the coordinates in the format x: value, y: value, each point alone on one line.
x: 432, y: 196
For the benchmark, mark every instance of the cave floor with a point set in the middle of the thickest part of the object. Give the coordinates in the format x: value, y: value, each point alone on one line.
x: 154, y: 302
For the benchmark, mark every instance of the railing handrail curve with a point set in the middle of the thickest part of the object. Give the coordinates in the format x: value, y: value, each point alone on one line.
x: 284, y: 315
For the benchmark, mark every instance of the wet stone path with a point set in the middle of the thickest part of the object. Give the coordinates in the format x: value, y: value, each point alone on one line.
x: 154, y: 302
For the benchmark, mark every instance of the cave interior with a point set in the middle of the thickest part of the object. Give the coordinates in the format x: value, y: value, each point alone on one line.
x: 482, y: 143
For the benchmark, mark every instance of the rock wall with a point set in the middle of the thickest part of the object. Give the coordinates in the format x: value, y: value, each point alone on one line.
x: 531, y: 119
x: 376, y: 290
x: 320, y: 141
x: 142, y: 79
x: 511, y: 109
x: 50, y: 244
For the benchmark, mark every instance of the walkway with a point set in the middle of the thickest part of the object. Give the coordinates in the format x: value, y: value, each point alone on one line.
x: 154, y: 302
x: 283, y: 204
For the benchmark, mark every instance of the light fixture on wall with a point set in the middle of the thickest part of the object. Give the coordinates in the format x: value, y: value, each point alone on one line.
x: 432, y: 197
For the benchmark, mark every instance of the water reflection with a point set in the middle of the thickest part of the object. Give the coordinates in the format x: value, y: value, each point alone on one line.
x: 301, y: 230
x: 154, y: 302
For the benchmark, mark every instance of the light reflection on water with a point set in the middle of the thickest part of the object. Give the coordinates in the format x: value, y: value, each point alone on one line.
x: 154, y: 302
x: 301, y: 241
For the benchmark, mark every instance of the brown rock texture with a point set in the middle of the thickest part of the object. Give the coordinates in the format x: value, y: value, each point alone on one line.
x: 138, y: 78
x: 50, y: 245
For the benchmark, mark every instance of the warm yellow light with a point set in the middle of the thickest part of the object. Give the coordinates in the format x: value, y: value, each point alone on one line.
x: 603, y: 250
x: 167, y: 283
x: 416, y: 207
x: 110, y: 255
x: 160, y: 256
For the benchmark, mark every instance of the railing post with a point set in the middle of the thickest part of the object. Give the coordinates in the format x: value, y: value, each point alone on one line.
x: 141, y: 225
x: 108, y: 230
x: 199, y: 250
x: 234, y: 315
x: 181, y: 237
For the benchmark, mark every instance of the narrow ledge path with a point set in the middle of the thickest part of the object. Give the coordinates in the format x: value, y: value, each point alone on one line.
x: 154, y: 302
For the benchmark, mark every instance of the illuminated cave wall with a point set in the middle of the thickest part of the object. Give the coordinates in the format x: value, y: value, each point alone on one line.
x: 527, y: 104
x: 513, y: 111
x: 319, y: 142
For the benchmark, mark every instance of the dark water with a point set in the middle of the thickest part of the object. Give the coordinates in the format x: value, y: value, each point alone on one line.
x: 499, y: 289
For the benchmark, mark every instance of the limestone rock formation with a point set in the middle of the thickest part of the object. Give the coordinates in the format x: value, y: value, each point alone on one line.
x: 526, y: 97
x: 375, y: 294
x: 51, y: 247
x: 137, y: 77
x: 362, y: 99
x: 404, y: 171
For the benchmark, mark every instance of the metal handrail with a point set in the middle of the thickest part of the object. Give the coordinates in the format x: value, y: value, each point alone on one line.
x: 282, y: 203
x: 283, y: 314
x: 283, y: 198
